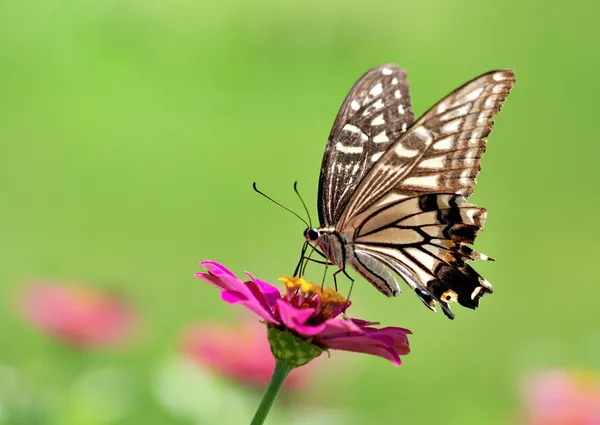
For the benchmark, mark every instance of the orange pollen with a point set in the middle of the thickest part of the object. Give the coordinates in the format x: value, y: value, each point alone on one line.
x: 328, y: 298
x: 326, y: 314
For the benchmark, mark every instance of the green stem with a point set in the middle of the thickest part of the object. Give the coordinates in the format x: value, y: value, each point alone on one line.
x: 281, y: 372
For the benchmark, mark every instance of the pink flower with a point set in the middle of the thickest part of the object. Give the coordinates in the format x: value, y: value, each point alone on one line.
x: 560, y: 397
x: 241, y: 353
x: 310, y: 312
x: 79, y: 315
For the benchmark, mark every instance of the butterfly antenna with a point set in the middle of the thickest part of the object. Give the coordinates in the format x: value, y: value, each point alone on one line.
x: 277, y: 203
x: 303, y: 203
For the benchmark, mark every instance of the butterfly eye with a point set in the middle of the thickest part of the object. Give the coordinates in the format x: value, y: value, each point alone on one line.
x: 311, y: 234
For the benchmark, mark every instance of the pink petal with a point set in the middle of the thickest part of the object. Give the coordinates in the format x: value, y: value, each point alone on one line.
x: 79, y: 314
x: 234, y: 291
x: 563, y: 397
x: 241, y: 353
x: 336, y: 327
x: 265, y: 293
x: 362, y: 344
x: 348, y: 335
x: 391, y: 329
x: 364, y: 323
x: 210, y: 279
x: 340, y: 309
x: 399, y: 345
x: 398, y: 342
x: 232, y: 297
x: 295, y: 319
x: 216, y: 268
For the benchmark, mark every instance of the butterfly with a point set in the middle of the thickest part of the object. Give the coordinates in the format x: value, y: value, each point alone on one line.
x: 394, y: 192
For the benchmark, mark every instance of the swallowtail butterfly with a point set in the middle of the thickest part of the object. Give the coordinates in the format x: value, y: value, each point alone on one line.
x: 393, y: 192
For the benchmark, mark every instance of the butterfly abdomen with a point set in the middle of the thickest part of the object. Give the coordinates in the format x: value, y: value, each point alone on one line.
x: 334, y: 246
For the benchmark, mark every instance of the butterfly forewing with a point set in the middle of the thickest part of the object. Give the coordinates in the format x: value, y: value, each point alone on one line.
x: 441, y: 152
x: 376, y: 111
x: 411, y: 211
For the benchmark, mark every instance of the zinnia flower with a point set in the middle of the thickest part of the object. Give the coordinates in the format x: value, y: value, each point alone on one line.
x: 562, y: 397
x: 77, y: 314
x: 306, y: 319
x: 238, y: 352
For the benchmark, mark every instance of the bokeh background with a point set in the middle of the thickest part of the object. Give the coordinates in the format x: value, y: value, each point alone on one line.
x: 131, y: 132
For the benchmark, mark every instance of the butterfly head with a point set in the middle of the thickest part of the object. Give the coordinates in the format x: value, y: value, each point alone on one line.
x: 311, y: 234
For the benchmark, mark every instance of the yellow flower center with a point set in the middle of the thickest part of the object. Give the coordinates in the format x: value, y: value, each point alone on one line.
x: 305, y: 294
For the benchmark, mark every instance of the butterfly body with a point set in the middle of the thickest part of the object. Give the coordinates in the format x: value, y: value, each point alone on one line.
x: 393, y: 193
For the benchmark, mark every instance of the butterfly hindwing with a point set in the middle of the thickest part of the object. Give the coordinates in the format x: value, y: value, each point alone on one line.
x: 424, y: 237
x: 376, y: 271
x: 375, y: 112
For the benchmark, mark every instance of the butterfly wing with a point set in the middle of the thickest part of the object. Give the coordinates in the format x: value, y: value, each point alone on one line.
x: 411, y: 211
x: 375, y: 112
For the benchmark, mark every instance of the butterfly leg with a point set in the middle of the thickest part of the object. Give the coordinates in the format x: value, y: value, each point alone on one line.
x: 312, y: 260
x: 335, y: 279
x: 308, y: 258
x: 302, y: 256
x: 301, y: 266
x: 325, y: 263
x: 348, y: 276
x: 324, y: 275
x: 351, y: 286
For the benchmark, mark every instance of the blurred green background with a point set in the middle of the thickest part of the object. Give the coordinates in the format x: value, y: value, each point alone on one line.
x: 131, y: 132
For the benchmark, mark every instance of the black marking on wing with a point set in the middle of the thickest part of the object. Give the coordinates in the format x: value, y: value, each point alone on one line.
x: 427, y: 235
x: 375, y: 112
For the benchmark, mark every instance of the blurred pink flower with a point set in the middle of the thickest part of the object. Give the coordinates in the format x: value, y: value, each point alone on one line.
x: 562, y: 397
x: 309, y: 311
x: 79, y: 315
x: 241, y: 353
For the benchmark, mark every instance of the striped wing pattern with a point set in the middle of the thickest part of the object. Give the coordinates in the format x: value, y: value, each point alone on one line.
x: 424, y: 239
x: 411, y: 212
x: 376, y: 111
x: 441, y: 152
